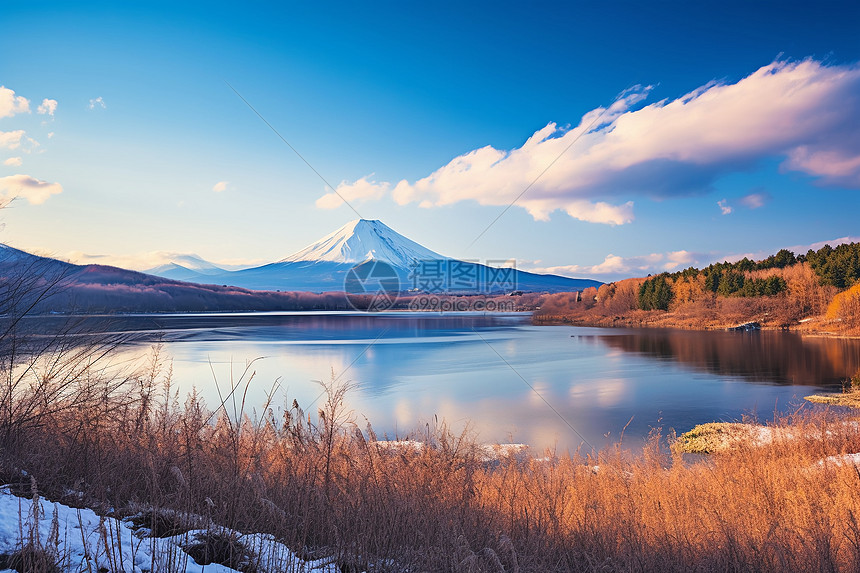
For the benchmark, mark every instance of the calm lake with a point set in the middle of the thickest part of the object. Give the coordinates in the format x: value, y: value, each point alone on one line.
x: 511, y: 381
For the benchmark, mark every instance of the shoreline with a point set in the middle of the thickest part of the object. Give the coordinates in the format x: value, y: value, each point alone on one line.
x: 668, y: 323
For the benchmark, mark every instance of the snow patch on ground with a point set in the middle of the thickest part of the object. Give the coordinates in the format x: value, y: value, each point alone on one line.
x: 486, y: 452
x: 840, y: 460
x: 717, y: 437
x: 83, y: 541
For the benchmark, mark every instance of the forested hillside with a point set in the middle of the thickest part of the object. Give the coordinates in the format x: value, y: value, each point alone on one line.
x: 818, y: 290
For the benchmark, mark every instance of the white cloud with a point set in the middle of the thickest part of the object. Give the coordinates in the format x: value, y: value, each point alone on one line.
x: 725, y: 207
x: 803, y: 249
x: 149, y: 260
x: 97, y: 102
x: 29, y: 188
x: 362, y: 190
x: 796, y: 249
x: 48, y: 106
x: 805, y: 112
x: 10, y: 104
x: 13, y: 161
x: 11, y: 139
x: 676, y: 260
x: 220, y: 186
x: 615, y: 267
x: 755, y: 200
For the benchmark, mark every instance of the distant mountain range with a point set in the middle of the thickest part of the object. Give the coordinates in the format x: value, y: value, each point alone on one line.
x: 361, y: 257
x: 326, y: 264
x: 181, y: 267
x: 30, y: 284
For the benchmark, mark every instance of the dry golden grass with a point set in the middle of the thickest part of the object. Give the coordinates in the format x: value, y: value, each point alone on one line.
x: 325, y: 488
x: 850, y: 396
x: 850, y: 400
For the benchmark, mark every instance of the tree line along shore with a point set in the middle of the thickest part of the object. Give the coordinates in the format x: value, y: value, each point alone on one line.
x: 816, y: 292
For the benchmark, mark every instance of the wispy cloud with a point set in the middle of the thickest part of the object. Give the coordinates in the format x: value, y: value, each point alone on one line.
x: 755, y: 200
x: 18, y: 139
x: 48, y: 106
x: 796, y: 249
x: 13, y: 161
x: 804, y: 112
x: 151, y: 259
x: 32, y: 146
x: 97, y: 103
x: 724, y: 206
x: 803, y: 249
x: 33, y: 190
x: 362, y: 190
x: 10, y: 104
x: 220, y: 186
x: 615, y: 267
x: 11, y: 139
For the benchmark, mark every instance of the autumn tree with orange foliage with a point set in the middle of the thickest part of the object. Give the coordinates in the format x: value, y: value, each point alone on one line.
x: 689, y: 289
x: 845, y: 307
x: 779, y: 291
x: 619, y: 297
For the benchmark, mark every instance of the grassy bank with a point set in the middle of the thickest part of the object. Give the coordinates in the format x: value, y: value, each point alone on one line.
x: 324, y: 487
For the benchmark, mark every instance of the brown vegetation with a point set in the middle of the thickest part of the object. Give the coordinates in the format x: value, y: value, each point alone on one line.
x: 717, y: 437
x: 693, y: 306
x: 324, y: 487
x: 850, y: 396
x: 845, y: 308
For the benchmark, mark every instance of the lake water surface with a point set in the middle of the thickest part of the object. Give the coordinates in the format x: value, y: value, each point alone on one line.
x: 512, y: 381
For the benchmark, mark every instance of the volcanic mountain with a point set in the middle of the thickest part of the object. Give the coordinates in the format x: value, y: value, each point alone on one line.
x: 326, y: 265
x: 362, y: 240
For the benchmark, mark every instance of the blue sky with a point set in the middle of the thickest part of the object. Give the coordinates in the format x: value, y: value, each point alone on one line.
x: 659, y: 135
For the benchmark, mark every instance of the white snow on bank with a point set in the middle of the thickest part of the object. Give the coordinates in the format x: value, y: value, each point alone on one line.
x: 840, y: 460
x: 766, y: 435
x: 82, y: 541
x: 486, y: 452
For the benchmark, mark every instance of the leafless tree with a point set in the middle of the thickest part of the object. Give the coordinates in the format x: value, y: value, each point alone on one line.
x: 49, y: 363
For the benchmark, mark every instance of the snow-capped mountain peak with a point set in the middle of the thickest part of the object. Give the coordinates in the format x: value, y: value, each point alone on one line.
x: 361, y: 240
